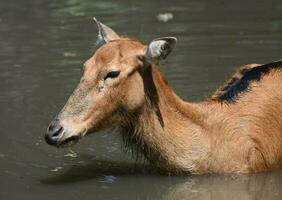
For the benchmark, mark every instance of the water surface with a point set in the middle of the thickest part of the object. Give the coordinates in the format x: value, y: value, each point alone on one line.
x: 43, y: 45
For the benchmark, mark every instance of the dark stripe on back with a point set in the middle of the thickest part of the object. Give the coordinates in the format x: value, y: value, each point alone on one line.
x: 235, y: 86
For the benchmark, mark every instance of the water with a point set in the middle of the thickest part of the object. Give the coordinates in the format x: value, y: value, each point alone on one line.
x: 43, y: 45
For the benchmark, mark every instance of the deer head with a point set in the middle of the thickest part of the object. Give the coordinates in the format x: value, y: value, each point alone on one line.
x: 111, y: 84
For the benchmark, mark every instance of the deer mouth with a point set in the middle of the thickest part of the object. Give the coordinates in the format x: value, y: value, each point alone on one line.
x: 69, y: 141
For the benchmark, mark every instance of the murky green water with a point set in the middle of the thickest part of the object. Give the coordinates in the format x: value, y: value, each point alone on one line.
x: 43, y: 45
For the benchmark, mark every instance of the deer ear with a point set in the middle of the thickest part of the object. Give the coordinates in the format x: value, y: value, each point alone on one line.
x: 105, y: 33
x: 160, y: 48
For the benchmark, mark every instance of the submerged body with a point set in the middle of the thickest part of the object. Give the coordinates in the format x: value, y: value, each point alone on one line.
x: 237, y: 130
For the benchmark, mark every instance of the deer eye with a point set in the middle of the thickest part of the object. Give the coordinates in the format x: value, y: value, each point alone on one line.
x: 112, y: 74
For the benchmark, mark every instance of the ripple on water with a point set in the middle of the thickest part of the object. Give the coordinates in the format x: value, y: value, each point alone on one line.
x: 71, y: 154
x: 56, y: 169
x: 107, y: 179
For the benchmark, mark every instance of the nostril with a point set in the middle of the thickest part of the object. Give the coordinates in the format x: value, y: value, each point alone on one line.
x: 58, y: 131
x: 53, y: 133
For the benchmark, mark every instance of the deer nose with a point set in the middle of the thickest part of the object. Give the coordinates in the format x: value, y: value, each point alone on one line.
x: 53, y: 133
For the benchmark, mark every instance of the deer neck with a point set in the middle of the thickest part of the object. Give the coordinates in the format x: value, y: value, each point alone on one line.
x: 167, y: 130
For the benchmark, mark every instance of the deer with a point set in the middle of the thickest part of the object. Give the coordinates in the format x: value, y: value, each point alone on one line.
x: 236, y: 130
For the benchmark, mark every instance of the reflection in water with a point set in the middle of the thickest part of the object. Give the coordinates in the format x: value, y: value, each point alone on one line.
x: 43, y: 45
x: 101, y: 170
x: 216, y: 187
x: 202, y: 187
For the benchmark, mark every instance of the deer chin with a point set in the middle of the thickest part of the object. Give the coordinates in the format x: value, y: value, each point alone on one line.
x: 68, y: 140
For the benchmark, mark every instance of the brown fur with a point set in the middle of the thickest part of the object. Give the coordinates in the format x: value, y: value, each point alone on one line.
x: 212, y: 136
